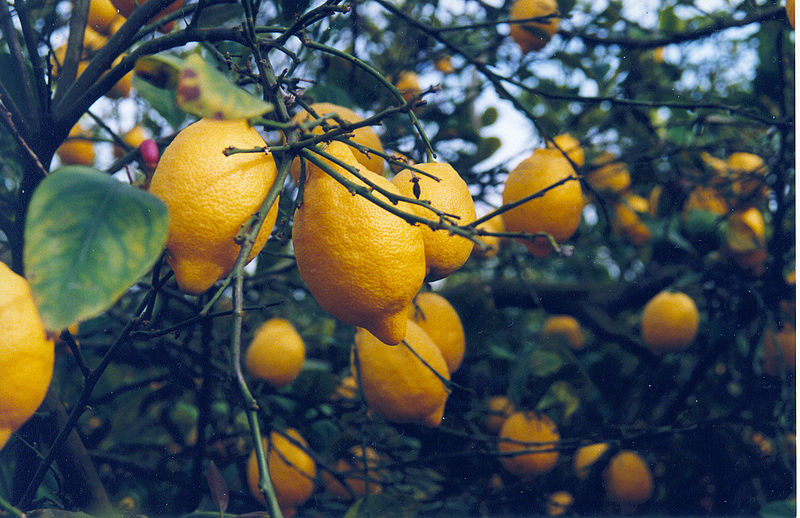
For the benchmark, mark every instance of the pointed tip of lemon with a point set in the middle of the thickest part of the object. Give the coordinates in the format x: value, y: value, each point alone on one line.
x: 390, y: 329
x: 434, y: 419
x: 5, y: 435
x: 194, y: 276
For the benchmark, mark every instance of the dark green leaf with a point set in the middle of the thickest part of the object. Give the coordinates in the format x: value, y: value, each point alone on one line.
x: 384, y: 506
x: 88, y: 238
x: 544, y: 363
x: 779, y: 509
x: 162, y: 100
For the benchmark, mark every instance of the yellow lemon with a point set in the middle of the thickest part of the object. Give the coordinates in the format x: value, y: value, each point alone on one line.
x: 210, y: 196
x: 291, y: 469
x: 103, y: 16
x: 669, y: 322
x: 747, y: 172
x: 396, y: 381
x: 627, y: 220
x: 276, y: 353
x: 444, y: 252
x: 438, y: 318
x: 533, y: 35
x: 408, y: 84
x: 609, y: 174
x: 362, y: 264
x: 586, y: 456
x: 492, y: 243
x: 558, y: 503
x: 77, y: 149
x: 528, y: 431
x: 569, y: 145
x: 779, y: 349
x: 26, y: 362
x: 133, y: 137
x: 566, y: 327
x: 498, y: 409
x: 364, y: 136
x: 705, y: 198
x: 628, y: 479
x: 556, y: 212
x: 357, y: 469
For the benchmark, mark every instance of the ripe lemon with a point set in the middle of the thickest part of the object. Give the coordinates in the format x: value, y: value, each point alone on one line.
x: 396, y: 382
x: 745, y: 239
x: 669, y: 322
x: 627, y: 220
x: 362, y: 264
x: 747, y: 172
x: 609, y: 175
x: 586, y: 456
x: 347, y: 390
x: 558, y: 503
x: 408, y: 84
x: 566, y: 327
x: 444, y: 252
x: 569, y: 145
x: 133, y: 137
x: 365, y: 136
x: 627, y: 479
x: 528, y: 431
x: 705, y: 198
x: 498, y: 409
x: 103, y: 16
x: 557, y: 212
x: 533, y: 35
x: 790, y: 11
x: 358, y: 468
x: 291, y: 469
x: 276, y: 353
x: 438, y: 318
x: 779, y: 349
x: 444, y: 65
x: 26, y: 362
x: 492, y: 243
x: 210, y: 196
x: 77, y: 149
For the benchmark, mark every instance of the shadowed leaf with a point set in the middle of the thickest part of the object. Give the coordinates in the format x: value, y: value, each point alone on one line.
x: 219, y: 489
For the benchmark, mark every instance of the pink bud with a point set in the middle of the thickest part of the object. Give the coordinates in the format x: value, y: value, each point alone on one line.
x: 149, y: 151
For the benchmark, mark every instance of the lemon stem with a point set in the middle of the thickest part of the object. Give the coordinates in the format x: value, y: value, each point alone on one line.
x: 10, y: 508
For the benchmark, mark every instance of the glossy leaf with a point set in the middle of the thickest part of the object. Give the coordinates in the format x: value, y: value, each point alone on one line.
x: 88, y: 238
x: 206, y: 92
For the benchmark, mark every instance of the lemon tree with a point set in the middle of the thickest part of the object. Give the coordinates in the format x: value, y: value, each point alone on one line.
x: 387, y: 258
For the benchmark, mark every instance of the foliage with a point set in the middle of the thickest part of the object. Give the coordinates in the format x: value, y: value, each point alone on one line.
x: 151, y: 382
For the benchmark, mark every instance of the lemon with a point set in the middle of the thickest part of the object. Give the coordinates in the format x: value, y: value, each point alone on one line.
x: 586, y: 456
x: 26, y: 362
x: 397, y: 383
x: 276, y: 353
x: 408, y: 84
x: 210, y: 196
x: 133, y: 137
x: 291, y: 469
x: 103, y: 16
x: 498, y: 408
x: 357, y: 468
x: 609, y: 174
x: 557, y: 212
x: 444, y: 252
x: 747, y: 172
x: 627, y: 220
x: 77, y: 149
x: 362, y: 264
x: 528, y: 431
x: 705, y: 198
x: 492, y: 243
x: 364, y: 136
x: 533, y: 35
x: 628, y: 479
x: 669, y: 322
x: 790, y: 11
x: 567, y: 328
x: 439, y: 319
x: 558, y: 503
x: 569, y: 145
x: 126, y: 7
x: 745, y: 239
x: 779, y: 349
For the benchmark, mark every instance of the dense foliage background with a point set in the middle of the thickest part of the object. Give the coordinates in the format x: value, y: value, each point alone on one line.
x: 659, y: 85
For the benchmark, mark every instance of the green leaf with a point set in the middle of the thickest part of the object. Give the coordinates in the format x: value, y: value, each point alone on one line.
x: 779, y: 509
x: 560, y: 394
x: 88, y: 238
x: 206, y: 92
x: 544, y: 363
x: 162, y: 100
